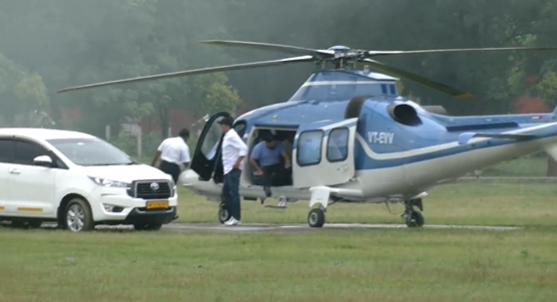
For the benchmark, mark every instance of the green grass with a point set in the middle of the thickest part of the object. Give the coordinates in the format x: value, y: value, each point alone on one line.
x: 533, y: 166
x: 328, y: 265
x: 462, y: 203
x: 386, y: 265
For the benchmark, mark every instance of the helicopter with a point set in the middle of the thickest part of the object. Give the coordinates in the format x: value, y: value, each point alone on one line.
x: 354, y: 138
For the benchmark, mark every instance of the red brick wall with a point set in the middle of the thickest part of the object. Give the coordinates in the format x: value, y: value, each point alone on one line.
x: 525, y: 104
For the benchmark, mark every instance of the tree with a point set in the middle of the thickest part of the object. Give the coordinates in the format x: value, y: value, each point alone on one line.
x: 21, y: 93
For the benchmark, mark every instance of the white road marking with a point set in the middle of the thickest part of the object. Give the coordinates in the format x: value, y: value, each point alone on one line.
x: 254, y: 227
x: 271, y: 227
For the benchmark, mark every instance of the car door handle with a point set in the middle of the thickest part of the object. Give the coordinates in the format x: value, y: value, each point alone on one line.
x: 14, y: 171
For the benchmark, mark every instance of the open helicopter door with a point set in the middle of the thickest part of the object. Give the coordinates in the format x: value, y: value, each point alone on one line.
x: 323, y: 153
x: 206, y: 152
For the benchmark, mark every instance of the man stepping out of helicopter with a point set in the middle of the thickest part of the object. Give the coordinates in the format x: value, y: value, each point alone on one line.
x: 268, y: 153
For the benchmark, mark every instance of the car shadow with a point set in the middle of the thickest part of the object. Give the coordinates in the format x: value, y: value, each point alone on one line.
x: 52, y: 227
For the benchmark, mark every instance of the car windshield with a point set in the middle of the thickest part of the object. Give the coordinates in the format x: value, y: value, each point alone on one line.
x: 91, y: 152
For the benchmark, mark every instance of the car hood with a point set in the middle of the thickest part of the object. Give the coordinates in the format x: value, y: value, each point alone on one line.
x: 126, y: 173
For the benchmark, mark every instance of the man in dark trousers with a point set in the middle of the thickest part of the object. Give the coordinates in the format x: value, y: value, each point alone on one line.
x: 234, y: 150
x: 173, y: 152
x: 266, y: 161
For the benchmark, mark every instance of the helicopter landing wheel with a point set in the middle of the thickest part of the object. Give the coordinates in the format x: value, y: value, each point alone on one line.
x: 415, y: 219
x: 412, y: 217
x: 224, y: 215
x: 316, y: 218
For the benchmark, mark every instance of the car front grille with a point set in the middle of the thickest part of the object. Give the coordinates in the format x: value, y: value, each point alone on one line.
x: 154, y: 189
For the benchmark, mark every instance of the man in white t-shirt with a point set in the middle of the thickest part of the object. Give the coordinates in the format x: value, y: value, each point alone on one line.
x: 234, y: 151
x: 173, y: 152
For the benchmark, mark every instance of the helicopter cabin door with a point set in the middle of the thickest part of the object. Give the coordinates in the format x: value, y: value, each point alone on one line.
x: 206, y: 152
x: 323, y: 153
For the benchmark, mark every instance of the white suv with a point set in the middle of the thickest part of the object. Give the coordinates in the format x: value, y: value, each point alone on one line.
x: 79, y: 181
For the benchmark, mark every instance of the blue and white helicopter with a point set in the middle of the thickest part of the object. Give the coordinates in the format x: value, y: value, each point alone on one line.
x: 354, y: 139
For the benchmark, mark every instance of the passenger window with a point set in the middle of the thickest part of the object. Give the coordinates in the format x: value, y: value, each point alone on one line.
x: 309, y: 148
x: 337, y: 145
x: 7, y: 150
x: 27, y: 151
x: 392, y: 87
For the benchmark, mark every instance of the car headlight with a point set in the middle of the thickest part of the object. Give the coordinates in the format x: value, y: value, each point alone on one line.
x: 172, y: 187
x: 110, y: 183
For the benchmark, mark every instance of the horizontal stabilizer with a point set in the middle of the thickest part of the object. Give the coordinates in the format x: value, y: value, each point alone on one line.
x: 464, y: 138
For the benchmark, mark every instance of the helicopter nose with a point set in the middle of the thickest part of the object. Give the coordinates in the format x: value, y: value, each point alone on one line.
x: 188, y: 178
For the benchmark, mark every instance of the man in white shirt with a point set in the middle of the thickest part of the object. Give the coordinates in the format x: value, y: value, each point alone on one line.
x: 173, y: 152
x: 234, y: 150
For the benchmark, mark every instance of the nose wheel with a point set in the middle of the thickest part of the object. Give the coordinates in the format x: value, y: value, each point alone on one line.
x: 316, y: 218
x: 224, y: 215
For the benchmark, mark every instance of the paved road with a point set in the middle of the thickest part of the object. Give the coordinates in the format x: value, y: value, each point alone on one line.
x: 256, y: 227
x: 261, y: 227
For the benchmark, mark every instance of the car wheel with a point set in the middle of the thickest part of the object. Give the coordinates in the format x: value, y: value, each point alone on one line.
x: 78, y: 216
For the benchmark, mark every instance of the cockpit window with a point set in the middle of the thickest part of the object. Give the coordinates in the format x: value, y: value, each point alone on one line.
x: 335, y: 92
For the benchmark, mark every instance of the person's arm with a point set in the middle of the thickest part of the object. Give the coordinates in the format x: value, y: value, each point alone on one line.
x: 256, y: 155
x: 157, y: 154
x: 238, y: 143
x: 283, y: 154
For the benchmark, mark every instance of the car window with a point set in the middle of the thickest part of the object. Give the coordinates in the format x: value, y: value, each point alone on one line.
x: 7, y: 150
x: 27, y: 151
x: 91, y: 152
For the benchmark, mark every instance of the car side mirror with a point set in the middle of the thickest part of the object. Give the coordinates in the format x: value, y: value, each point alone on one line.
x: 43, y: 160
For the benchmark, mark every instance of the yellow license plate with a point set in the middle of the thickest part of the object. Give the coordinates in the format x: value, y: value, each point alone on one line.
x: 157, y: 204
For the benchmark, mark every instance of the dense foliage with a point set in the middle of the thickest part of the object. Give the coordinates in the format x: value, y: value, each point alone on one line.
x: 48, y: 45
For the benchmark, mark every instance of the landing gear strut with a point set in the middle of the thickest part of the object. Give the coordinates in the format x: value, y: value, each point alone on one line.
x: 319, y: 196
x: 412, y: 217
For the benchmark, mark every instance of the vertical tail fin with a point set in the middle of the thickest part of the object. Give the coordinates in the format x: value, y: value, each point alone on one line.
x: 554, y: 111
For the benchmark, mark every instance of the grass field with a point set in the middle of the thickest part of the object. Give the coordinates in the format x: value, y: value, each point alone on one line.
x: 503, y: 203
x: 523, y: 167
x: 330, y: 265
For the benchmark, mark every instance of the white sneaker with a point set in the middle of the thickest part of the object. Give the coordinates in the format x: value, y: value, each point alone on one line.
x: 232, y: 221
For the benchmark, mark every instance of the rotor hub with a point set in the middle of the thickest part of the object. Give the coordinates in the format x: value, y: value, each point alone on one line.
x: 337, y: 48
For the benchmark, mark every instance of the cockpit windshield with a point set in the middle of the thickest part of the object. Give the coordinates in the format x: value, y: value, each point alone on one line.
x: 334, y: 92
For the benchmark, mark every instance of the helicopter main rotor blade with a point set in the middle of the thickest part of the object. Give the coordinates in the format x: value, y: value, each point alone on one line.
x: 418, y: 79
x: 294, y: 50
x: 405, y: 52
x: 195, y: 71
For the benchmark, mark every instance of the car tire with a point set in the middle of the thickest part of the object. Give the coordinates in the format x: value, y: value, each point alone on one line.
x: 78, y: 216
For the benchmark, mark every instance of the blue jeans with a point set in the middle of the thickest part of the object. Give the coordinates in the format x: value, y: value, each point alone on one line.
x: 231, y: 194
